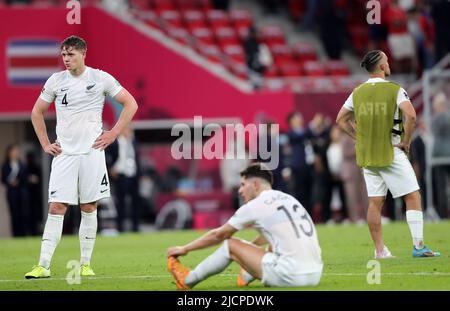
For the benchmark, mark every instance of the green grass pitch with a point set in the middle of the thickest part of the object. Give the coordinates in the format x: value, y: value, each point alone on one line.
x: 138, y: 262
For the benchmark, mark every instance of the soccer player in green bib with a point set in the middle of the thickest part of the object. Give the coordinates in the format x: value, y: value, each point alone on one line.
x: 379, y: 116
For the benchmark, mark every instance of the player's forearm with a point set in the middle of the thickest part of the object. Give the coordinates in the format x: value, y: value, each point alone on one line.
x: 211, y: 238
x: 129, y: 109
x: 409, y: 125
x: 347, y: 127
x: 37, y: 119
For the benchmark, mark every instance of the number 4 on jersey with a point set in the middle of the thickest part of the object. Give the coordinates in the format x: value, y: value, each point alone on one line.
x: 104, y: 181
x: 64, y: 101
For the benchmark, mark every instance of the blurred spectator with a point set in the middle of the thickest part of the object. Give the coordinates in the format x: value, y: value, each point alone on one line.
x: 125, y: 176
x: 400, y: 42
x: 354, y: 185
x: 148, y: 188
x: 273, y: 136
x: 418, y: 158
x: 308, y: 21
x: 335, y: 160
x: 258, y: 58
x: 171, y: 179
x: 34, y: 184
x: 270, y: 6
x: 331, y: 24
x: 440, y: 12
x: 14, y: 177
x: 322, y: 181
x: 221, y: 4
x: 440, y: 128
x: 18, y: 2
x: 421, y: 27
x: 302, y: 158
x: 235, y: 160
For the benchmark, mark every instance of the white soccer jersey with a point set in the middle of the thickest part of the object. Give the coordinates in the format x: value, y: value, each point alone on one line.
x: 285, y: 224
x: 401, y: 97
x: 79, y: 104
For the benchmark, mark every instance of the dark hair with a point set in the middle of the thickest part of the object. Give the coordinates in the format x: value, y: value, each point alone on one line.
x: 371, y: 59
x: 291, y: 115
x: 258, y: 170
x: 8, y: 151
x: 74, y: 42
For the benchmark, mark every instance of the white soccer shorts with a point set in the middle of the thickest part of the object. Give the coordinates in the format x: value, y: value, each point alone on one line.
x: 79, y: 178
x: 399, y: 177
x: 281, y: 271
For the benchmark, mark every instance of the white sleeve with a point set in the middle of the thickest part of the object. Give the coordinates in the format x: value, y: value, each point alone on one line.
x: 402, y: 96
x: 242, y: 218
x: 112, y: 86
x: 349, y: 102
x: 48, y: 92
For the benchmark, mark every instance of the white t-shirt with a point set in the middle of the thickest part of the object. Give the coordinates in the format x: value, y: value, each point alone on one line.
x: 285, y: 224
x: 401, y: 97
x: 79, y: 104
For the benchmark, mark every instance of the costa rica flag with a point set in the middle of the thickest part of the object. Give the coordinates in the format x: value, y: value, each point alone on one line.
x: 32, y: 61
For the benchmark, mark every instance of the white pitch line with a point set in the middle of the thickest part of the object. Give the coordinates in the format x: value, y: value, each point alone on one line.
x: 162, y: 276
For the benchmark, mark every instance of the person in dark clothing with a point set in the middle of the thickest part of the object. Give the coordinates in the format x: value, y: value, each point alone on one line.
x: 14, y: 177
x: 125, y: 174
x: 331, y: 24
x: 221, y: 4
x: 272, y: 136
x: 252, y: 49
x: 34, y: 184
x: 302, y: 158
x: 440, y: 12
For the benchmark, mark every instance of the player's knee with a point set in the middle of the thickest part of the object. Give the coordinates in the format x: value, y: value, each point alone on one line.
x: 57, y: 208
x: 88, y: 208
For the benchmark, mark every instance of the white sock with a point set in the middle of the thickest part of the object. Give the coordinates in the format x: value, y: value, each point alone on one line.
x: 247, y: 277
x: 213, y: 264
x: 87, y: 234
x: 415, y: 223
x: 50, y: 238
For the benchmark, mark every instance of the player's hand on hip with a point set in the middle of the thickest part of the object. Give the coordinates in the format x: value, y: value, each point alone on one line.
x: 403, y: 146
x: 53, y: 149
x: 176, y: 251
x: 104, y: 140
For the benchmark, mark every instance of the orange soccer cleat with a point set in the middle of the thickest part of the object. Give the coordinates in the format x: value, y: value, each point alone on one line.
x: 178, y: 271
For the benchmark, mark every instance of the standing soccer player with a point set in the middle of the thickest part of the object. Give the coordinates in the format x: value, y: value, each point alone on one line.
x: 78, y: 172
x: 385, y: 120
x: 295, y: 256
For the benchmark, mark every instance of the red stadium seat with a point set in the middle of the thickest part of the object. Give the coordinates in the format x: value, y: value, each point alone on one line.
x: 226, y: 35
x: 242, y: 32
x: 171, y: 17
x: 235, y: 52
x: 272, y: 72
x: 336, y: 68
x: 179, y: 34
x: 194, y: 18
x: 241, y: 18
x: 217, y: 18
x: 291, y: 69
x: 314, y: 68
x: 148, y: 17
x: 184, y: 5
x: 281, y: 53
x: 203, y: 34
x: 211, y: 52
x: 272, y: 35
x: 304, y: 52
x: 143, y: 5
x: 160, y: 5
